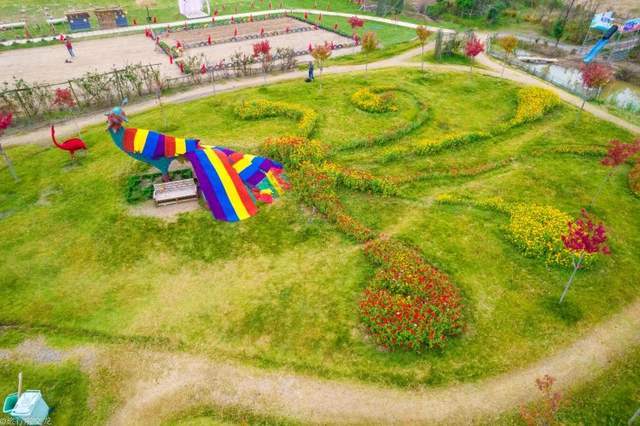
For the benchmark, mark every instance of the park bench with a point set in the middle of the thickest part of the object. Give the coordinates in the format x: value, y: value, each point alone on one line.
x: 175, y: 192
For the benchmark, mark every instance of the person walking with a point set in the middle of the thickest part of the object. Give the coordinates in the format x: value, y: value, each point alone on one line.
x: 311, y: 78
x: 69, y: 46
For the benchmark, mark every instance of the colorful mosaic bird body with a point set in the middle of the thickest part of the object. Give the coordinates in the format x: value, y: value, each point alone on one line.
x: 231, y: 182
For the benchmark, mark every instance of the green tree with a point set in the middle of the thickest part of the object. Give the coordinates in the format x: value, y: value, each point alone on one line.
x: 423, y: 35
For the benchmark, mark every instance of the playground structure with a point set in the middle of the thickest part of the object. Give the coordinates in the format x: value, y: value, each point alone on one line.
x: 231, y: 182
x: 193, y: 9
x: 626, y: 34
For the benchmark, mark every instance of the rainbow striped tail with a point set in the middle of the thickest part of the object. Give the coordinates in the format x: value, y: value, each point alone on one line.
x: 232, y: 182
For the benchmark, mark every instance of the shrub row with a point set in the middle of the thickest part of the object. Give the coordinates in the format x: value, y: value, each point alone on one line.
x: 360, y: 180
x: 410, y: 305
x: 261, y: 108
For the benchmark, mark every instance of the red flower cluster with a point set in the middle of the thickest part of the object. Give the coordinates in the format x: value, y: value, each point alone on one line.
x: 586, y: 236
x: 596, y: 75
x: 411, y: 305
x: 64, y: 97
x: 262, y: 48
x: 619, y: 152
x: 474, y: 47
x: 5, y: 121
x: 355, y: 22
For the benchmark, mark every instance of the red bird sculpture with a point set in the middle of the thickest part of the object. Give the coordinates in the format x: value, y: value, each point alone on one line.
x: 72, y: 145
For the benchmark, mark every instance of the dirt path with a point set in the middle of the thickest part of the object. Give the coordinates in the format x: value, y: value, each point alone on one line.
x: 163, y: 384
x: 167, y: 381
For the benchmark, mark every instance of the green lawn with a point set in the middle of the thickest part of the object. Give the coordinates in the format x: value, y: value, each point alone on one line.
x: 280, y: 290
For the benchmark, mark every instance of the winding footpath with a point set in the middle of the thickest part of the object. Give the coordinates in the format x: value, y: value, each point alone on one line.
x: 161, y: 378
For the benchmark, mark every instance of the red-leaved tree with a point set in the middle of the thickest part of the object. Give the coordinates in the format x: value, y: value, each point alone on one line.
x: 545, y: 411
x: 64, y: 98
x: 6, y: 118
x: 617, y: 154
x: 584, y: 237
x: 355, y: 22
x: 262, y: 50
x: 473, y: 48
x: 595, y: 76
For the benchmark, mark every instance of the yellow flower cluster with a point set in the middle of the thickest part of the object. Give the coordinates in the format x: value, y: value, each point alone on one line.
x: 368, y: 100
x: 533, y: 103
x: 262, y: 108
x: 537, y: 230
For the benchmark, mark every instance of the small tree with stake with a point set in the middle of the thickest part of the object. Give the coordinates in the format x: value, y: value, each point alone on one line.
x: 423, y: 35
x: 320, y: 54
x: 473, y: 48
x: 595, y: 76
x: 262, y: 50
x: 5, y: 121
x: 584, y: 237
x: 369, y: 44
x: 509, y: 45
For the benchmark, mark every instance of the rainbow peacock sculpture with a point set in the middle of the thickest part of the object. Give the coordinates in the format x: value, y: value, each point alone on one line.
x: 230, y: 181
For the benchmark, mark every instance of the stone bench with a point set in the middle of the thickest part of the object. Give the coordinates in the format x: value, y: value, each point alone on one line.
x: 175, y: 192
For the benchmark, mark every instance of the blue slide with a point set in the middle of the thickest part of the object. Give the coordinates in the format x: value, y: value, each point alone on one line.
x: 600, y: 45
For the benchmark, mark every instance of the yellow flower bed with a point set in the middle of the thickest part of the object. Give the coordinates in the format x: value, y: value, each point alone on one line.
x: 262, y: 108
x: 536, y: 230
x: 368, y: 100
x: 533, y: 103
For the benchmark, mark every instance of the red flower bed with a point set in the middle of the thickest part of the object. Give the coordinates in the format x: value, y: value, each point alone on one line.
x: 411, y: 304
x: 408, y: 322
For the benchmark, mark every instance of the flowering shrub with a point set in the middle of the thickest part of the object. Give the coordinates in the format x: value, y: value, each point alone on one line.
x: 411, y: 305
x: 634, y: 179
x: 367, y: 100
x: 360, y: 180
x: 262, y: 108
x: 293, y: 150
x: 431, y: 146
x: 533, y: 103
x: 353, y: 228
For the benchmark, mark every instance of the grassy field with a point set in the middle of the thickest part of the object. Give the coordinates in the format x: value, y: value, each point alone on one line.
x: 280, y: 290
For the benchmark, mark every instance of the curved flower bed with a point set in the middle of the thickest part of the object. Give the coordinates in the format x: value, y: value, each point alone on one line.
x: 533, y: 103
x: 262, y: 108
x: 634, y: 179
x: 410, y: 305
x: 536, y: 230
x: 369, y: 100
